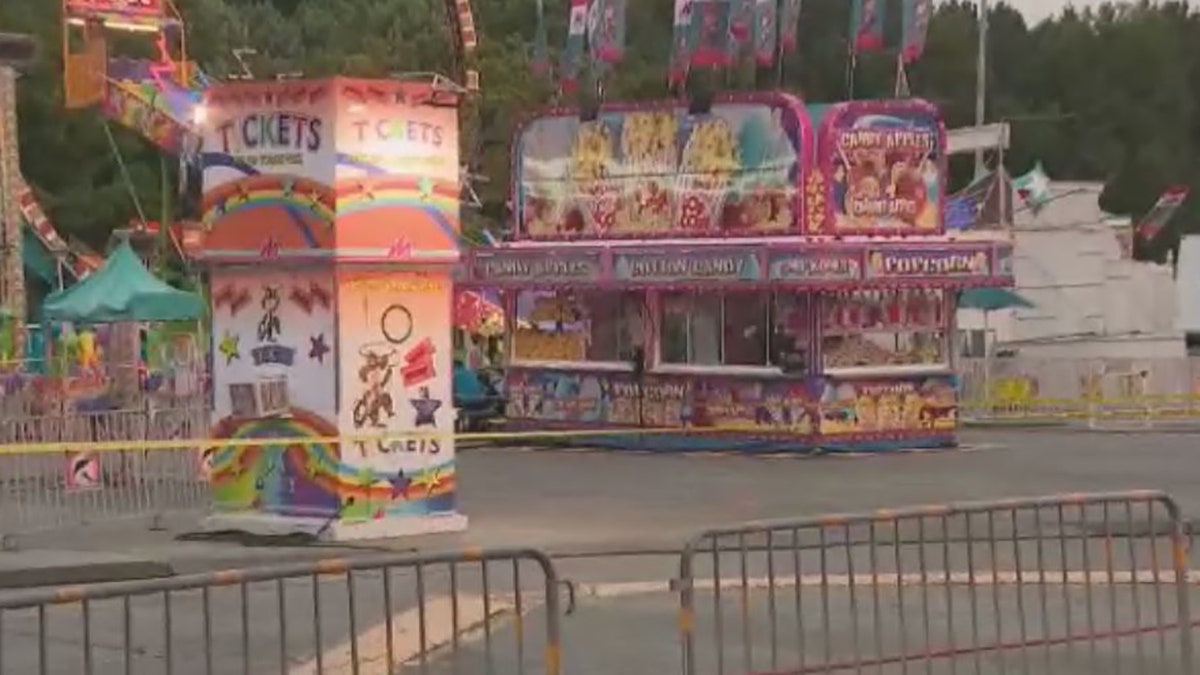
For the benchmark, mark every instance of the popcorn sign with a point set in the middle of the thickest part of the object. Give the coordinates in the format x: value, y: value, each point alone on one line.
x: 946, y: 263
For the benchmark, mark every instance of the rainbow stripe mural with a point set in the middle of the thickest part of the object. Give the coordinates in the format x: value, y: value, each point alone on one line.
x: 310, y: 480
x: 353, y: 196
x: 255, y: 192
x: 299, y: 214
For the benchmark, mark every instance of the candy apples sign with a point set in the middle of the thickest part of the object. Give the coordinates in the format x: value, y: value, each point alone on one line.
x: 882, y: 170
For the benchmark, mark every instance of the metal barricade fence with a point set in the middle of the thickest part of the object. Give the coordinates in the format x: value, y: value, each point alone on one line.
x: 40, y: 490
x: 1071, y: 584
x: 469, y: 613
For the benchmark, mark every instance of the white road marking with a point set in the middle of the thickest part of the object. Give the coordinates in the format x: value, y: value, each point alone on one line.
x: 406, y: 636
x: 884, y: 580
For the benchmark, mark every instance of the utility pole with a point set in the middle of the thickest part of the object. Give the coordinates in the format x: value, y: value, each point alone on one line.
x: 163, y: 245
x: 981, y: 81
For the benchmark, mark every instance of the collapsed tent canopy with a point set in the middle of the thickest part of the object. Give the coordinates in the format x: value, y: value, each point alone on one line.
x: 122, y: 290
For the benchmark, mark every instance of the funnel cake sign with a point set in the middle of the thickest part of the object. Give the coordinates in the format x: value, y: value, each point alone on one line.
x: 882, y: 170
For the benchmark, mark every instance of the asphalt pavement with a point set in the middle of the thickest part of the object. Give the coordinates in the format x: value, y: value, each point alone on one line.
x: 615, y: 521
x: 576, y: 501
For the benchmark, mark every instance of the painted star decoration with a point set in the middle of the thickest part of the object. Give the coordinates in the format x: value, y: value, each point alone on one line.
x: 229, y: 347
x: 426, y: 409
x: 425, y: 188
x: 429, y: 481
x: 399, y: 484
x: 318, y: 348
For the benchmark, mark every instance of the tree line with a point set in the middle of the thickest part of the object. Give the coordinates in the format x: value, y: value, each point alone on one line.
x: 1109, y: 94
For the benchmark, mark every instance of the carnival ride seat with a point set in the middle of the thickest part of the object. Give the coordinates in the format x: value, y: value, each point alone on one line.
x: 477, y: 398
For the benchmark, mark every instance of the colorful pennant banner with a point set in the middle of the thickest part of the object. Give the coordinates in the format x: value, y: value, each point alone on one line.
x: 576, y: 43
x: 789, y: 25
x: 681, y: 47
x: 916, y: 28
x: 984, y: 204
x: 606, y: 30
x: 1164, y: 209
x: 741, y: 27
x: 1034, y: 188
x: 709, y: 32
x: 541, y: 44
x: 766, y: 31
x: 866, y: 26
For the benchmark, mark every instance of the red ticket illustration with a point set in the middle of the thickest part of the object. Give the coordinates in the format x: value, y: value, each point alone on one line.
x: 422, y: 352
x: 418, y: 372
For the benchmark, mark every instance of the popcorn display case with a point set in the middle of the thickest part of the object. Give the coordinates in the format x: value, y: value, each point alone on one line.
x: 763, y: 275
x: 888, y: 327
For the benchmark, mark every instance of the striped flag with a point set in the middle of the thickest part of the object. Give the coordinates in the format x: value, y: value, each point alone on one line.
x: 681, y: 48
x: 789, y: 25
x: 866, y: 26
x: 606, y: 30
x: 766, y: 31
x: 541, y: 45
x: 1164, y: 209
x: 916, y: 28
x: 741, y: 22
x: 576, y: 42
x: 1034, y: 188
x: 982, y: 205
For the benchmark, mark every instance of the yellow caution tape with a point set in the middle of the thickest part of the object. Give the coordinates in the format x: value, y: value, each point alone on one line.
x: 223, y: 443
x: 1045, y: 408
x: 1142, y: 407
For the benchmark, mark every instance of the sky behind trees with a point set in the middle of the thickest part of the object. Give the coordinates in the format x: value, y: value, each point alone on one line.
x: 1113, y: 99
x: 1036, y: 10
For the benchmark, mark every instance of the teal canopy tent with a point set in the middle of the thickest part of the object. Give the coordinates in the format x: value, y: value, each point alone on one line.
x: 991, y: 299
x: 122, y: 290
